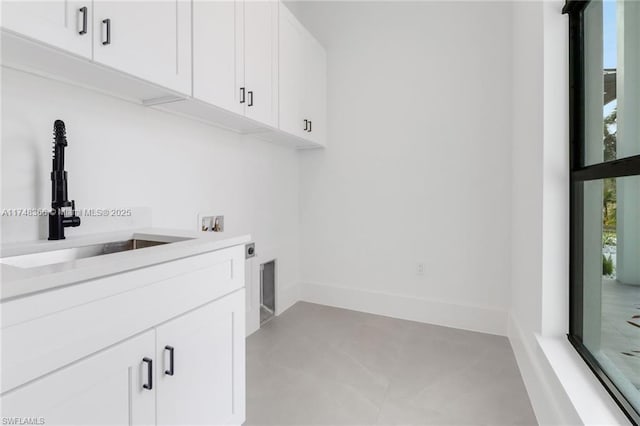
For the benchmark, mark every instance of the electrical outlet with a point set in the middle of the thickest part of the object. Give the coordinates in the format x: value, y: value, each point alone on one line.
x: 420, y: 268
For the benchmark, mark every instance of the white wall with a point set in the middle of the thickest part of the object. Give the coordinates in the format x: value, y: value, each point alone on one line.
x: 526, y: 241
x: 125, y: 155
x: 418, y: 166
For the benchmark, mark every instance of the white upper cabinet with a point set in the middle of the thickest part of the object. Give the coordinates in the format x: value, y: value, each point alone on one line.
x: 218, y: 53
x: 261, y: 60
x: 291, y: 75
x: 302, y: 81
x: 315, y: 100
x: 147, y: 39
x: 63, y: 24
x: 246, y: 65
x: 235, y: 57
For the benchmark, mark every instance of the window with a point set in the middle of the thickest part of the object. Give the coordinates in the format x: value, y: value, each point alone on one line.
x: 604, y: 78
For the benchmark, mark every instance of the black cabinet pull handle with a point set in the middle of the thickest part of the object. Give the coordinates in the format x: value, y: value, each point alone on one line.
x: 83, y: 11
x: 306, y: 125
x: 242, y: 95
x: 107, y: 22
x: 310, y: 126
x: 169, y: 372
x: 149, y: 384
x: 250, y: 98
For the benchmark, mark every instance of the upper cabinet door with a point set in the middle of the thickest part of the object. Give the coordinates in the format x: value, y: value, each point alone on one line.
x: 147, y: 39
x: 261, y: 60
x: 291, y: 75
x: 218, y: 53
x: 302, y: 88
x: 63, y: 24
x: 106, y: 388
x: 201, y: 365
x: 315, y: 101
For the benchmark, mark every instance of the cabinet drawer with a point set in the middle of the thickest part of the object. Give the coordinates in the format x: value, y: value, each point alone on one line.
x: 35, y: 347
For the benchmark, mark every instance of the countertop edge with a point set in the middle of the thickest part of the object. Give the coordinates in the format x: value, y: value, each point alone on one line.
x: 111, y: 264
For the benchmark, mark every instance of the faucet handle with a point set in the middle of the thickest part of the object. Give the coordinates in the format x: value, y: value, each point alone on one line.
x: 72, y: 220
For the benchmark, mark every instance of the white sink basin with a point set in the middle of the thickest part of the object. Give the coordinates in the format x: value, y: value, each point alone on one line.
x: 33, y: 260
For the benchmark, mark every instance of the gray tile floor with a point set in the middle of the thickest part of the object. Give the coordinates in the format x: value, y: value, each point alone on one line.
x: 320, y: 365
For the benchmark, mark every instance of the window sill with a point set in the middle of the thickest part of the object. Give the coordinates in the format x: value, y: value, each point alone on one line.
x: 590, y: 399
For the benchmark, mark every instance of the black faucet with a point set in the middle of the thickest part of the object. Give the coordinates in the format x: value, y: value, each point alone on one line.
x: 57, y: 218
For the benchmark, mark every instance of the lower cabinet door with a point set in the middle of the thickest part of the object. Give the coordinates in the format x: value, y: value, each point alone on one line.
x: 107, y: 388
x: 201, y: 368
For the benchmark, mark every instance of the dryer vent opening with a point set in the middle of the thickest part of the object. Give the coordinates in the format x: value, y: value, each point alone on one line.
x: 267, y: 291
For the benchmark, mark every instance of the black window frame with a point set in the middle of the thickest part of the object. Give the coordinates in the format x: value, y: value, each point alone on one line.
x: 629, y: 166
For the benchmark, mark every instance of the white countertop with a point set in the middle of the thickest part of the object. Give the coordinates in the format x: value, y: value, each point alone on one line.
x: 20, y: 282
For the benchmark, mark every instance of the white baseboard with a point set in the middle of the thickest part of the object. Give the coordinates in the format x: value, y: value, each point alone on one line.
x: 467, y: 317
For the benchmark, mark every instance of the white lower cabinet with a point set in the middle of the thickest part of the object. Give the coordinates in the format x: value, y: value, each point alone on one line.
x: 105, y: 388
x: 160, y: 345
x: 201, y: 354
x: 189, y: 370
